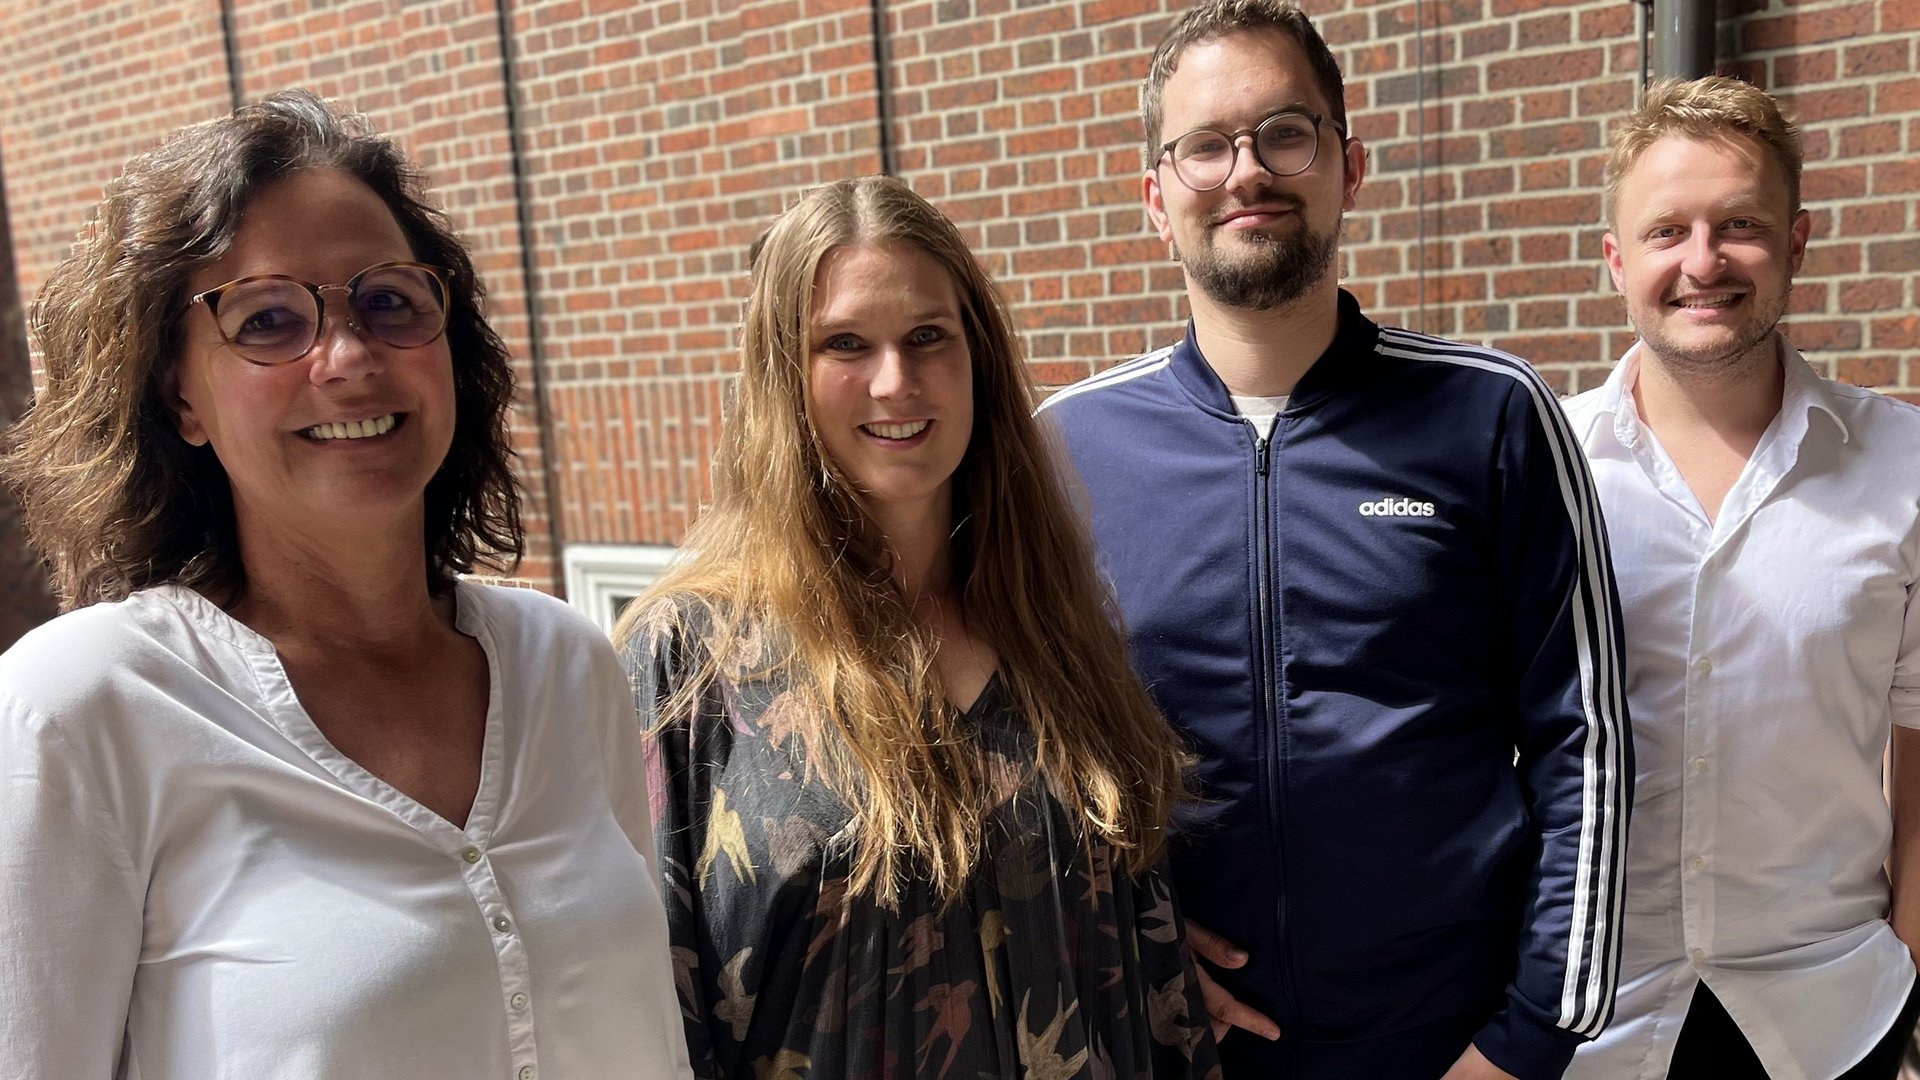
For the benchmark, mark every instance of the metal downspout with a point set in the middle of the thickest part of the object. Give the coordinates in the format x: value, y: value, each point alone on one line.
x: 536, y: 339
x: 883, y: 89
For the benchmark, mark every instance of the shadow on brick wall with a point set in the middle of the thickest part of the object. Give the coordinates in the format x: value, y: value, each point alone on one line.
x: 25, y: 601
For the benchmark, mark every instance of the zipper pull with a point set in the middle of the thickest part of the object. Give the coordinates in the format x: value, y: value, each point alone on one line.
x: 1260, y: 454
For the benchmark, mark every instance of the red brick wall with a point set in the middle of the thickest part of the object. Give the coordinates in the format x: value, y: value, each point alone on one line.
x: 658, y: 138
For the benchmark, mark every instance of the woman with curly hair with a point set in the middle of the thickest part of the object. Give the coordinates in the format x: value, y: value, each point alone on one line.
x: 282, y: 795
x: 909, y: 799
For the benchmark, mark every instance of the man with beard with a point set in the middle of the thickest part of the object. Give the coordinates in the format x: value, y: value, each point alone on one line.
x: 1769, y: 547
x: 1364, y: 572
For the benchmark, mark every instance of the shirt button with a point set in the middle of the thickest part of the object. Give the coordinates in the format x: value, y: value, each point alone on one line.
x: 472, y: 854
x: 1699, y: 764
x: 1698, y: 862
x: 1703, y: 665
x: 525, y: 1073
x: 501, y: 924
x: 518, y: 1001
x: 1697, y: 954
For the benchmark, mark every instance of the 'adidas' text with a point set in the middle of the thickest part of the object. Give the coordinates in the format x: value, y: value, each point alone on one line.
x: 1392, y: 507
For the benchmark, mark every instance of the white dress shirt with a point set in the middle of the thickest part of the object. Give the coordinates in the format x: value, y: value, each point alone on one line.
x: 195, y: 885
x: 1768, y: 652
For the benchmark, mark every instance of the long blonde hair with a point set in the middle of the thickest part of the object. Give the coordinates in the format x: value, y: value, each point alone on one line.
x: 789, y: 552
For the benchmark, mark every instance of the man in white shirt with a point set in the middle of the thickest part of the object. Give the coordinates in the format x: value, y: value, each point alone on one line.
x: 1765, y: 525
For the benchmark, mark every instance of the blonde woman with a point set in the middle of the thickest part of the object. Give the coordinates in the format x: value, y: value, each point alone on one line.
x: 909, y: 799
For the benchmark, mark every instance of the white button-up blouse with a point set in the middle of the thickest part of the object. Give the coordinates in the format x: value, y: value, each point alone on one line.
x: 1768, y: 654
x: 195, y: 885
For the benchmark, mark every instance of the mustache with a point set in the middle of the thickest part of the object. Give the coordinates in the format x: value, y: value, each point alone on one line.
x: 1276, y: 199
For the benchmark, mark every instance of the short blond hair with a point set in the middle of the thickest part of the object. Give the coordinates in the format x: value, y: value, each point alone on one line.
x: 1705, y: 108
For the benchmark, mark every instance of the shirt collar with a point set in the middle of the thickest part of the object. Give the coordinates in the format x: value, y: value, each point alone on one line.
x: 1803, y: 393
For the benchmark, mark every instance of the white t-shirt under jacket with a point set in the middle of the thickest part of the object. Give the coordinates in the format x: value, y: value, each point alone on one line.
x: 195, y: 885
x: 1768, y: 654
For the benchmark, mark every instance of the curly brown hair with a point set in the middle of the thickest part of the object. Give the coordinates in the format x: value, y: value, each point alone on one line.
x: 110, y: 494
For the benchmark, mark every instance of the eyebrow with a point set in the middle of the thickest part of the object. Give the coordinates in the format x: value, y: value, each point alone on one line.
x: 1751, y: 206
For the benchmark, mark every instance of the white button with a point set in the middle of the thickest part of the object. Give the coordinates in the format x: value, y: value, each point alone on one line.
x: 525, y: 1073
x: 472, y: 854
x: 1703, y: 665
x: 518, y: 1001
x: 1699, y: 764
x: 1697, y: 954
x: 501, y: 924
x: 1698, y: 862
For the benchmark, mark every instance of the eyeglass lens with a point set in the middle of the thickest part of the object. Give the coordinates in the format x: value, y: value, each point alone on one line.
x: 276, y: 320
x: 1284, y: 144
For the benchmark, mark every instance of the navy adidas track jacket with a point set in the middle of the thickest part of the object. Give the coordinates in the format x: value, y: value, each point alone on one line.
x: 1391, y: 635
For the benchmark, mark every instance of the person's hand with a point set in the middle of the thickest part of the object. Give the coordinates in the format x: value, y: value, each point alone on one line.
x: 1224, y: 1011
x: 1473, y: 1065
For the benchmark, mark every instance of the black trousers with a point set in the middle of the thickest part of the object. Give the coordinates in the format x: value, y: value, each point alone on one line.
x: 1712, y: 1048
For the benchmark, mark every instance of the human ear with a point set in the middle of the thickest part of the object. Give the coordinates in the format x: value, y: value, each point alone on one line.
x: 185, y: 420
x: 1155, y: 198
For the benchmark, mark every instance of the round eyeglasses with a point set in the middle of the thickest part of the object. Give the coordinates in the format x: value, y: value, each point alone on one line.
x: 275, y: 319
x: 1284, y: 144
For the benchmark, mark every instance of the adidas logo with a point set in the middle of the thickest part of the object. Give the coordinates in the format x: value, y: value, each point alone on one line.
x: 1389, y: 506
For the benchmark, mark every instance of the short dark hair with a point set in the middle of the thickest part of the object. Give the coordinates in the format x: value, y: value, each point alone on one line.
x: 1214, y: 19
x: 110, y: 493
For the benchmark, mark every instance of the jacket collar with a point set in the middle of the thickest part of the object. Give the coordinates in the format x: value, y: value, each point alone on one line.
x: 1356, y: 336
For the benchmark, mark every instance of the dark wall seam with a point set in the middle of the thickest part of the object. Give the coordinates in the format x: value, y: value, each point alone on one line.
x: 883, y: 88
x: 233, y: 52
x: 536, y: 350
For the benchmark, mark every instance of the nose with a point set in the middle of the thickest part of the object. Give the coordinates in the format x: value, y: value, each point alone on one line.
x: 342, y: 349
x: 894, y: 377
x: 1703, y: 257
x: 1249, y: 175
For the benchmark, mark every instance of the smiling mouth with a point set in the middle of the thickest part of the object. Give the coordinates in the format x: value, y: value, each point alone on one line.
x: 354, y: 429
x: 1707, y: 302
x: 896, y: 432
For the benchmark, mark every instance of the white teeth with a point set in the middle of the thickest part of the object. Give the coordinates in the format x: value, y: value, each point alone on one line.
x: 1722, y: 300
x: 896, y: 431
x: 352, y: 429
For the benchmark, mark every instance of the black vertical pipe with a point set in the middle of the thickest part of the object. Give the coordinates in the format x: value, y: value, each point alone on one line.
x: 536, y: 338
x: 16, y: 365
x: 233, y: 52
x: 1683, y: 38
x: 883, y: 89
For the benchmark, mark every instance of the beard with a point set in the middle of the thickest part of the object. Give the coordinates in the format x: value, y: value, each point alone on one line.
x: 1274, y: 270
x: 1694, y: 357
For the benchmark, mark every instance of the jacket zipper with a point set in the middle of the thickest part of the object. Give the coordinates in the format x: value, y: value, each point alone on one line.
x: 1267, y: 632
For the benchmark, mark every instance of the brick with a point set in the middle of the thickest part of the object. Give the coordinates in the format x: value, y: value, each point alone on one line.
x: 1565, y: 66
x: 1830, y: 23
x: 1893, y: 256
x: 1548, y: 210
x: 1545, y: 281
x: 1554, y: 348
x: 1868, y: 370
x: 1867, y: 140
x: 1872, y: 294
x: 1824, y: 334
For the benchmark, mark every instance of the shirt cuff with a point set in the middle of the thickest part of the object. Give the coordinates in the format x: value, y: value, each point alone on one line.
x: 1525, y: 1046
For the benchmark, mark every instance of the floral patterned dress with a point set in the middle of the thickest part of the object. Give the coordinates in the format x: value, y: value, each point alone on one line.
x: 1052, y: 965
